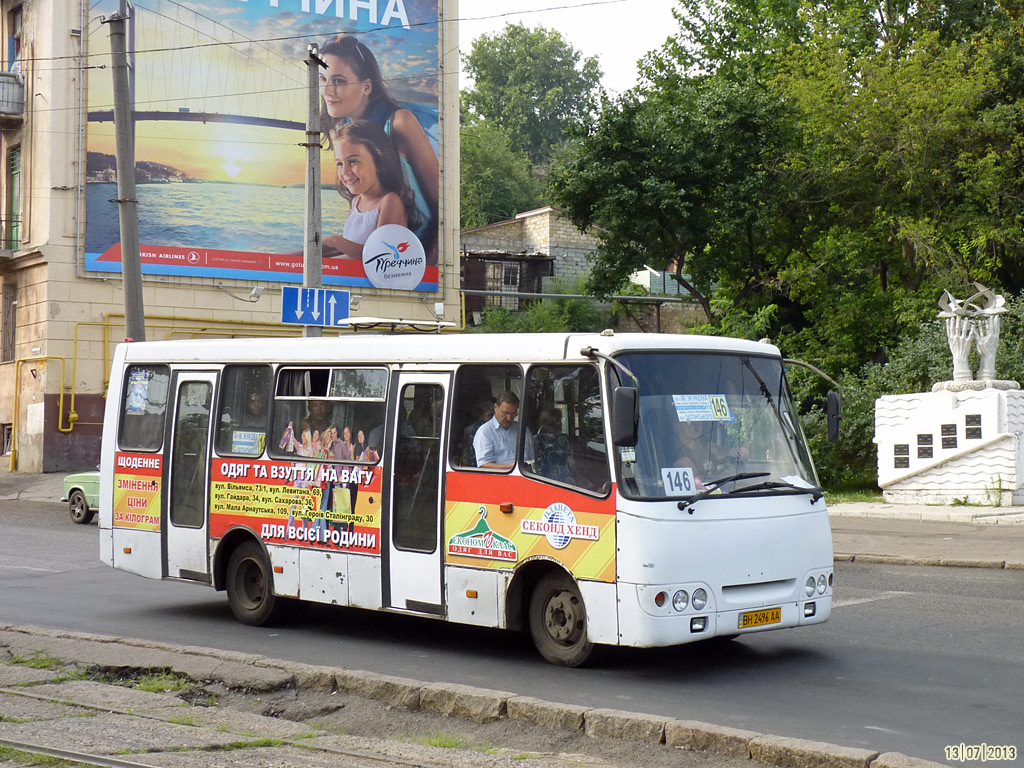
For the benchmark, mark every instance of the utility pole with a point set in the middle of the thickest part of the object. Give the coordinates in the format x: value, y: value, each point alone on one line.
x: 127, y: 203
x: 312, y: 248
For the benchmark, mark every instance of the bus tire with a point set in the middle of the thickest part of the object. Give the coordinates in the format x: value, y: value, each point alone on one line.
x: 250, y: 586
x: 80, y: 512
x: 558, y: 621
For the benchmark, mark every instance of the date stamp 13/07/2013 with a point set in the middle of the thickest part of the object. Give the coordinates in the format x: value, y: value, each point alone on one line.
x: 980, y: 753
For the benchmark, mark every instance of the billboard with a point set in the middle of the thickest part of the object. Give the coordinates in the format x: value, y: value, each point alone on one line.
x: 219, y: 107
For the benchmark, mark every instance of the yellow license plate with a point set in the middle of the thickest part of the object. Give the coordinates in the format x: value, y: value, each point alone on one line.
x: 760, y: 618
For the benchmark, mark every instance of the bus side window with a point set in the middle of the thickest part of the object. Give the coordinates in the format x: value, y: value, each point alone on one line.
x: 144, y: 407
x: 330, y: 414
x: 475, y: 390
x: 564, y: 414
x: 244, y: 410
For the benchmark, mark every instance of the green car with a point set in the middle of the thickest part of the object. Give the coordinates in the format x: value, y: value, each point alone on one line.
x: 82, y: 493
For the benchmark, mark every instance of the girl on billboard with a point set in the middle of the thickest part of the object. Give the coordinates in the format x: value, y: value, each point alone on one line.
x: 370, y: 177
x: 352, y: 88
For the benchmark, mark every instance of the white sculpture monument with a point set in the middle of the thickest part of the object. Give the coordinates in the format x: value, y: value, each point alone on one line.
x: 961, y: 442
x: 966, y: 321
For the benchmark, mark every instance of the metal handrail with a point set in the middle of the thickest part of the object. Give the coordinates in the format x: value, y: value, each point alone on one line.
x: 8, y: 226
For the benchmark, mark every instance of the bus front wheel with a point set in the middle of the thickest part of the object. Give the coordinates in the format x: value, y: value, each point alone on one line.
x: 250, y: 586
x: 558, y: 621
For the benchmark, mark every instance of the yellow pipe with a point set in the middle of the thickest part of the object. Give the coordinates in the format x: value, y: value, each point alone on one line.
x: 72, y: 416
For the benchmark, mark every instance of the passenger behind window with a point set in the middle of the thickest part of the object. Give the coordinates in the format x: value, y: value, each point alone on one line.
x: 495, y: 440
x: 374, y: 443
x: 249, y: 433
x: 480, y: 415
x: 318, y: 416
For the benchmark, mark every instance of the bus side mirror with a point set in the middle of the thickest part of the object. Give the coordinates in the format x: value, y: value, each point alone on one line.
x: 833, y: 415
x: 624, y: 416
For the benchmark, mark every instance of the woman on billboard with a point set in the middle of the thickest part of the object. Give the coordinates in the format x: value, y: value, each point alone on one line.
x: 352, y: 88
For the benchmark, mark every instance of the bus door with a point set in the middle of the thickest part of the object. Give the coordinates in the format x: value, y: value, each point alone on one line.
x: 186, y: 533
x: 412, y: 573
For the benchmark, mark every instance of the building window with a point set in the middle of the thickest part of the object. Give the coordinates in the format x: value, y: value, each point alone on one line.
x: 8, y: 308
x: 14, y: 32
x: 13, y: 212
x: 502, y: 276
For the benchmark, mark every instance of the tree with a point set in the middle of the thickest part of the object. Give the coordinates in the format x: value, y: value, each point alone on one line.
x: 825, y: 168
x: 681, y: 177
x: 908, y: 169
x: 533, y: 84
x: 496, y: 180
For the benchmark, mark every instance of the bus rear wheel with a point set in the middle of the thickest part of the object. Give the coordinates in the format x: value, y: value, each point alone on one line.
x: 558, y: 621
x: 250, y: 586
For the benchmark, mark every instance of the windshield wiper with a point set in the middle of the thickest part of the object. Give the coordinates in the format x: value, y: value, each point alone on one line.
x: 816, y: 492
x: 713, y: 485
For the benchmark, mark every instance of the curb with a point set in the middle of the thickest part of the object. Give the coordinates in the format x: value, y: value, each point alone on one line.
x: 254, y: 673
x: 947, y: 562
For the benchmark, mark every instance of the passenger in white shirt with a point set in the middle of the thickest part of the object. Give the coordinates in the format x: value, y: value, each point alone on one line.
x: 495, y: 440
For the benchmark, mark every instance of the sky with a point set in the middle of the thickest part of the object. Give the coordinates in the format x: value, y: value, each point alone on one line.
x: 617, y: 32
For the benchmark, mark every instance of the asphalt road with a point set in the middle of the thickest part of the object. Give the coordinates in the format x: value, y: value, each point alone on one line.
x: 913, y: 659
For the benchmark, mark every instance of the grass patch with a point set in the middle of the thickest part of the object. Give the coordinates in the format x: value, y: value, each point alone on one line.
x: 443, y: 740
x: 19, y: 757
x: 184, y: 720
x: 151, y: 680
x: 162, y: 682
x: 254, y: 744
x: 38, y: 660
x: 853, y: 495
x: 74, y: 674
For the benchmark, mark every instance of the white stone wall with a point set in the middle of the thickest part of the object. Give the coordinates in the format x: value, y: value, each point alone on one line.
x: 504, y: 237
x: 947, y: 447
x: 545, y: 232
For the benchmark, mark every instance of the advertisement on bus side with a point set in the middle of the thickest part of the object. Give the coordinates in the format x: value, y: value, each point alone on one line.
x: 572, y: 528
x: 137, y: 478
x: 328, y: 506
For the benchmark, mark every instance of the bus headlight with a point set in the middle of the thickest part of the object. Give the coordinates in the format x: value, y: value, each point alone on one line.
x: 822, y: 584
x: 700, y: 599
x: 809, y: 586
x: 680, y: 600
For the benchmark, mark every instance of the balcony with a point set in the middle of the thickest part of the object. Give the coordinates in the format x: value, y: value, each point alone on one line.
x: 12, y: 99
x: 9, y: 229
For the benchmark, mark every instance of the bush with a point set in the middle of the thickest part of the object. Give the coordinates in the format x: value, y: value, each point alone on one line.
x: 570, y: 315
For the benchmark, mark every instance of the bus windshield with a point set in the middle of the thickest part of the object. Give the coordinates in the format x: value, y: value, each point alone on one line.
x: 706, y: 418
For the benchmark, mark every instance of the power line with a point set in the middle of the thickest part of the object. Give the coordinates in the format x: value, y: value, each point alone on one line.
x: 282, y: 38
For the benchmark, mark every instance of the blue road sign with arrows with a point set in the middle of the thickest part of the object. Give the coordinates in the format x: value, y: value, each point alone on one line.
x: 313, y: 306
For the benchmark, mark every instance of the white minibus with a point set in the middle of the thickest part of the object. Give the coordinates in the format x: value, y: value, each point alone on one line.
x: 596, y: 489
